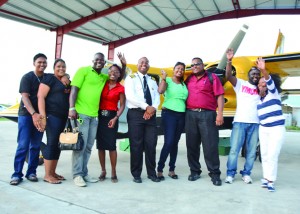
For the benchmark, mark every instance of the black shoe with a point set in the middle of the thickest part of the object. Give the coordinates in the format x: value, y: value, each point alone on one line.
x: 216, y: 180
x: 162, y: 178
x: 32, y: 178
x: 193, y: 177
x: 137, y: 180
x: 154, y: 178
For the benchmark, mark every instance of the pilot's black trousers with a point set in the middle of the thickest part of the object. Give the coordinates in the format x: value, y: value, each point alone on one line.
x: 142, y: 137
x: 200, y: 128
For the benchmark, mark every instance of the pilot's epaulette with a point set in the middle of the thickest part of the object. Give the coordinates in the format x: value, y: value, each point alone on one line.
x: 153, y: 78
x: 132, y: 75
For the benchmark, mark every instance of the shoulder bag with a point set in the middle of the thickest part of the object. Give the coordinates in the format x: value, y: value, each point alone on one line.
x: 71, y: 138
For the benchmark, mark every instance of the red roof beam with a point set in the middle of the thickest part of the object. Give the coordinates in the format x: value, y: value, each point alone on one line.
x: 2, y: 2
x: 18, y: 16
x: 226, y: 15
x: 73, y: 25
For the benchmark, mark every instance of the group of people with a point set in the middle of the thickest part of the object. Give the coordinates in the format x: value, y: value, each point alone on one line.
x: 97, y: 100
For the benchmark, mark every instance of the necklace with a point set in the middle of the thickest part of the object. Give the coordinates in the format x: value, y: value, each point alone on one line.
x: 38, y: 77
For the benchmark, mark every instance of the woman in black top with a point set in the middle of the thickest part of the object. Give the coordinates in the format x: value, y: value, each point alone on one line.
x: 53, y: 104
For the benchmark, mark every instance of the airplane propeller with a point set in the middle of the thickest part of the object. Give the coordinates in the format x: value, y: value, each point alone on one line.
x: 235, y: 43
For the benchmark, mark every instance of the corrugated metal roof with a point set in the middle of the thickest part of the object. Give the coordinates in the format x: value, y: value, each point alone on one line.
x: 119, y: 21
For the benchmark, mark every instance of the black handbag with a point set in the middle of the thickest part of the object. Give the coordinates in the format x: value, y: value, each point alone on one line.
x: 71, y: 138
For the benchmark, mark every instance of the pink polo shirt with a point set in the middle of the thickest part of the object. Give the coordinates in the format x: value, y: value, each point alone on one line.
x: 203, y: 94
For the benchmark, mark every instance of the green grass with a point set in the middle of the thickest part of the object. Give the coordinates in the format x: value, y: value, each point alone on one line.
x: 294, y: 128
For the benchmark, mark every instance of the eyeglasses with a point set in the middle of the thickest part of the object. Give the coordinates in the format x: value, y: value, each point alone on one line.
x: 196, y: 64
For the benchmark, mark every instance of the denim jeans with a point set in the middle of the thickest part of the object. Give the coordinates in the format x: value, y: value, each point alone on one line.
x: 173, y: 124
x: 55, y: 126
x: 88, y: 127
x: 242, y: 133
x: 29, y: 139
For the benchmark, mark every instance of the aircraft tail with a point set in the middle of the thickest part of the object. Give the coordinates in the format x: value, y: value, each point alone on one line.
x: 279, y: 48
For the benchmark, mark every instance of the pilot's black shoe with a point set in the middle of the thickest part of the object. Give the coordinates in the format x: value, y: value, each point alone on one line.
x: 215, y: 178
x: 154, y: 178
x: 137, y: 180
x: 193, y: 177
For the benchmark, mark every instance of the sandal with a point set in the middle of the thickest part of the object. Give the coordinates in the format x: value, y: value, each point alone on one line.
x: 53, y: 182
x: 32, y: 178
x: 60, y: 177
x: 173, y: 175
x: 114, y: 179
x: 160, y: 176
x: 15, y: 181
x: 102, y: 177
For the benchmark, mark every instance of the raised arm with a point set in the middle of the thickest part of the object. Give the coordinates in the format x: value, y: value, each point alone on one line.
x: 261, y: 65
x: 163, y: 84
x: 232, y: 79
x: 123, y: 62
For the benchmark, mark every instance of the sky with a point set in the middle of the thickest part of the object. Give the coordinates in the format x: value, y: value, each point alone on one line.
x: 20, y: 42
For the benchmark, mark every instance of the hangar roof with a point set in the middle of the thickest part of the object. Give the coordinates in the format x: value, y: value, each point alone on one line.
x: 118, y: 22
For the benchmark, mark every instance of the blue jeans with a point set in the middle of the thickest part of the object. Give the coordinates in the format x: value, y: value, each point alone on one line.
x: 80, y: 159
x: 29, y: 139
x: 173, y: 124
x: 242, y: 133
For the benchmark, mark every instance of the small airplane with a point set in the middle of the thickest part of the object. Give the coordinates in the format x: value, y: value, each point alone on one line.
x: 287, y: 64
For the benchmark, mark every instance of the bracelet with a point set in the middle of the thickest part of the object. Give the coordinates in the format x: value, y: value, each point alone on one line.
x: 163, y: 80
x: 117, y: 116
x: 228, y: 62
x: 33, y: 113
x: 71, y: 109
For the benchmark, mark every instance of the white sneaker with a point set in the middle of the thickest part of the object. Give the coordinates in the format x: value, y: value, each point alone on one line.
x: 264, y: 183
x: 247, y: 179
x: 90, y: 179
x: 229, y: 180
x: 78, y: 180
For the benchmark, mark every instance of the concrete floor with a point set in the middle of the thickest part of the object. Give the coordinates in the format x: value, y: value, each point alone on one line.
x: 169, y: 196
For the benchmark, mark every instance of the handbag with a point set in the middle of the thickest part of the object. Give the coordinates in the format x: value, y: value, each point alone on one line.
x: 71, y: 138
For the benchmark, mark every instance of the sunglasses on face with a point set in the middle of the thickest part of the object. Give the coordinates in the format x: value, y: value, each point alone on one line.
x: 196, y: 64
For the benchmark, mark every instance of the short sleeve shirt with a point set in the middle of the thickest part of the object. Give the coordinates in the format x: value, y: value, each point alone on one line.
x: 175, y: 96
x: 110, y: 98
x: 90, y: 85
x: 247, y: 98
x: 57, y: 100
x: 203, y: 93
x: 30, y: 84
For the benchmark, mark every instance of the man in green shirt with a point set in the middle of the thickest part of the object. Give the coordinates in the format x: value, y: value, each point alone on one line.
x: 87, y: 86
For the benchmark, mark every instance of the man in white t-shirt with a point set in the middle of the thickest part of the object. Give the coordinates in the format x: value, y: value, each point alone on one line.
x: 245, y: 122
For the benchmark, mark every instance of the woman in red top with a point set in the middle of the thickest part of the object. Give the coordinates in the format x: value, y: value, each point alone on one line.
x: 112, y: 93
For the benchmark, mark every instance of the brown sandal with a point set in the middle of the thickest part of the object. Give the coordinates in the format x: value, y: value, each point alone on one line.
x: 102, y: 177
x: 114, y: 179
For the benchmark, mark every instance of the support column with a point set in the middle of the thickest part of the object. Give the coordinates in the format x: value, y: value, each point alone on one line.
x: 111, y: 51
x: 59, y: 42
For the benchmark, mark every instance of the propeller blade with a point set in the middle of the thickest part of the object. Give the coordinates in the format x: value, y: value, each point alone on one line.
x: 235, y: 43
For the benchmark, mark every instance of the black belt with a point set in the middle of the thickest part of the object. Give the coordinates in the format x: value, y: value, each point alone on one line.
x: 137, y: 109
x: 199, y: 109
x: 107, y: 113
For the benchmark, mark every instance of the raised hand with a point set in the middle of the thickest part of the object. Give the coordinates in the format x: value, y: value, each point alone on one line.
x: 229, y: 54
x: 260, y: 64
x: 122, y: 58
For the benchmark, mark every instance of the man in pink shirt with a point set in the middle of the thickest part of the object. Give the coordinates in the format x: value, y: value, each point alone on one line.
x: 206, y: 94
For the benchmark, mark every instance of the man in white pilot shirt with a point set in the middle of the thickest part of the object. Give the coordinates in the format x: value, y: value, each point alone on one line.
x: 142, y: 101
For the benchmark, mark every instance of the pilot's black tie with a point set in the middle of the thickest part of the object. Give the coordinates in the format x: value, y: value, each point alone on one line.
x: 147, y: 94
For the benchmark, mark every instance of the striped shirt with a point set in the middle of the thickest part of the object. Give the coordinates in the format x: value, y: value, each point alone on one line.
x: 269, y: 107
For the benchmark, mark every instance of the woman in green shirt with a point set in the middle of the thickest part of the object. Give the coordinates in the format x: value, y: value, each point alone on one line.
x: 173, y: 116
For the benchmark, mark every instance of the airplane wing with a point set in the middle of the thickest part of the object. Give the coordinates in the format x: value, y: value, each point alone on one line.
x: 284, y: 64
